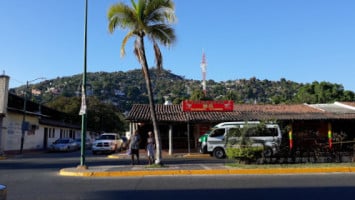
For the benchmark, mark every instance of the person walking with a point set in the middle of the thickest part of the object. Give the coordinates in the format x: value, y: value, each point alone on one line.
x: 134, y: 146
x: 150, y: 148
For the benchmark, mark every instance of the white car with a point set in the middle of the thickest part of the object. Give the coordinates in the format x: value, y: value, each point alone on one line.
x: 107, y: 143
x: 64, y: 144
x: 88, y: 143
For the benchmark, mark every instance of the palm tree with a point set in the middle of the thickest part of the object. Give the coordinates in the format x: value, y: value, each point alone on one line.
x: 151, y: 18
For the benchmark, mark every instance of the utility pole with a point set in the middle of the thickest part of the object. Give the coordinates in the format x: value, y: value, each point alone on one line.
x: 83, y: 97
x: 25, y: 125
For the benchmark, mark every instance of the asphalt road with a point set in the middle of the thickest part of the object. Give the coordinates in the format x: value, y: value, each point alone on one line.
x: 36, y: 177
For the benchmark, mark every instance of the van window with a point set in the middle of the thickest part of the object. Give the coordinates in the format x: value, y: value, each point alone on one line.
x: 217, y: 132
x: 261, y: 132
x: 234, y: 132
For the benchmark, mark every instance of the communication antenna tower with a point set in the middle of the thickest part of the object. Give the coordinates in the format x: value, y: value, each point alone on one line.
x: 204, y: 70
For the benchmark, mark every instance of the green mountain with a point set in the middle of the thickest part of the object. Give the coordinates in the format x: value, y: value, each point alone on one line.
x: 123, y: 89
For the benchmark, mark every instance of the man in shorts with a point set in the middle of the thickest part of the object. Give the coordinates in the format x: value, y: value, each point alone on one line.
x: 134, y: 146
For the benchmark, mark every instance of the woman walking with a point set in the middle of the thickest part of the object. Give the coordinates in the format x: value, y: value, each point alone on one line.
x: 150, y: 148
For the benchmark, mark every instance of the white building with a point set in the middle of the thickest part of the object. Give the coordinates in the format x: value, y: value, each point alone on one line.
x: 35, y: 129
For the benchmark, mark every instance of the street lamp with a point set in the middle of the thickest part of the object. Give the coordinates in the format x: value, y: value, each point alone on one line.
x: 25, y: 124
x: 83, y: 108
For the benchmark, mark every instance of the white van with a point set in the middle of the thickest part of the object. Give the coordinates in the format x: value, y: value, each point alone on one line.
x: 214, y: 142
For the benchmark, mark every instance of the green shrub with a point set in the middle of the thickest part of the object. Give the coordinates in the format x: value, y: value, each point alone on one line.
x: 240, y: 147
x: 244, y: 153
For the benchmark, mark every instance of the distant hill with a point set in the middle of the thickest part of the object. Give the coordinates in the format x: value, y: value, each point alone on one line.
x: 126, y: 88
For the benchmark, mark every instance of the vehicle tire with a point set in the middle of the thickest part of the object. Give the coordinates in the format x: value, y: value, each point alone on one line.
x: 219, y: 153
x: 267, y: 153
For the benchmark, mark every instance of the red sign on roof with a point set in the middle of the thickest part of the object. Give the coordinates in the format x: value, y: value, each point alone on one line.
x: 190, y: 105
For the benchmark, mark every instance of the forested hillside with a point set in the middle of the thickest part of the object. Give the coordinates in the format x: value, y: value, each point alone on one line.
x: 123, y: 89
x: 111, y: 95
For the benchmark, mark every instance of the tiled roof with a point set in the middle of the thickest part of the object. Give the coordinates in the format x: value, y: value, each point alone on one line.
x: 141, y: 112
x: 334, y: 108
x: 241, y: 112
x: 351, y: 104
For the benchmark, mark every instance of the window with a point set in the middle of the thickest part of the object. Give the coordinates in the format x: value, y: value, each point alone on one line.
x: 64, y: 133
x: 217, y: 132
x: 51, y: 132
x: 235, y: 132
x: 261, y: 132
x: 31, y: 130
x: 72, y: 133
x: 107, y: 137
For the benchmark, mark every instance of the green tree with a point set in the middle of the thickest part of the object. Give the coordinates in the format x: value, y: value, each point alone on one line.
x: 323, y: 92
x: 151, y: 18
x: 197, y: 95
x: 231, y: 95
x: 103, y: 117
x: 348, y: 96
x: 306, y: 94
x: 68, y: 105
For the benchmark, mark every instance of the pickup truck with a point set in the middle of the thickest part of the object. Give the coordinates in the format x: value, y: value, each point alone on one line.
x: 107, y: 143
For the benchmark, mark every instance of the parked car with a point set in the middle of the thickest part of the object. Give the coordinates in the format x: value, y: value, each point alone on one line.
x: 107, y: 143
x: 88, y: 143
x: 64, y: 144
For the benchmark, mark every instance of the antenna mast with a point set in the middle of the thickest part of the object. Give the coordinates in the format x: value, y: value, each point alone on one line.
x: 204, y: 69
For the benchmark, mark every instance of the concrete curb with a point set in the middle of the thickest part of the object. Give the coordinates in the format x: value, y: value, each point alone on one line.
x: 158, y: 172
x: 192, y: 155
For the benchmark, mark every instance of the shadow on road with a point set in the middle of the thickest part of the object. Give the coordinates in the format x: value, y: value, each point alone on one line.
x: 323, y: 193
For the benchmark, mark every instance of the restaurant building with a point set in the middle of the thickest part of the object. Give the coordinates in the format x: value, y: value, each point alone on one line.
x: 181, y: 125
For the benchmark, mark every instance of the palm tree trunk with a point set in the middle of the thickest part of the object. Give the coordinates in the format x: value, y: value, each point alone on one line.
x: 139, y: 47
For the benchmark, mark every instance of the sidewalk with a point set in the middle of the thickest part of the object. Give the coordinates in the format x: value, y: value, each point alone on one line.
x: 188, y: 169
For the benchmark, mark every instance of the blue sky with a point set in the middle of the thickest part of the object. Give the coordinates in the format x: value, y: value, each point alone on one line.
x: 299, y: 40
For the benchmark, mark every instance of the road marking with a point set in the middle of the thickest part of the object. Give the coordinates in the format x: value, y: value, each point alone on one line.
x: 205, y: 167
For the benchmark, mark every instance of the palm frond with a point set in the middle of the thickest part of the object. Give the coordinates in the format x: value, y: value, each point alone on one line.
x: 134, y: 5
x: 163, y: 33
x: 160, y: 11
x: 124, y: 42
x: 140, y: 12
x: 158, y: 56
x: 121, y: 15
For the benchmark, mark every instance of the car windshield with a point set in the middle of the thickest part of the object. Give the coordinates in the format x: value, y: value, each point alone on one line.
x: 62, y: 141
x: 107, y: 137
